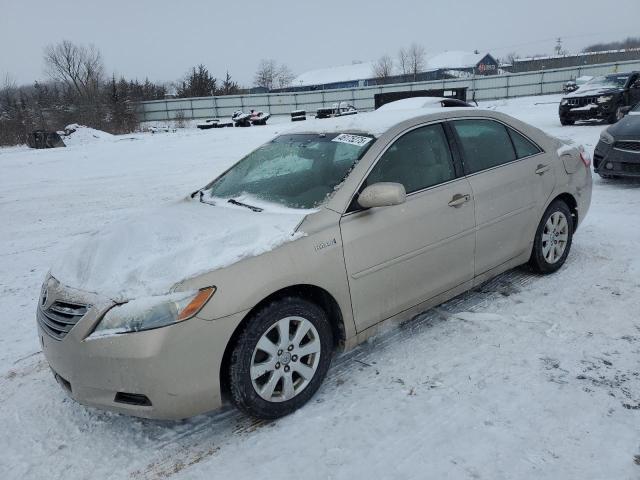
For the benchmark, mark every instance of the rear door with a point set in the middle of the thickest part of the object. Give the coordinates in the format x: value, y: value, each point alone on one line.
x: 398, y: 256
x: 509, y: 178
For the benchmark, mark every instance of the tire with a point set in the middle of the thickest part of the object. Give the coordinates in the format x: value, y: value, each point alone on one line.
x: 616, y: 116
x: 564, y: 121
x: 271, y: 376
x: 605, y: 176
x: 547, y: 258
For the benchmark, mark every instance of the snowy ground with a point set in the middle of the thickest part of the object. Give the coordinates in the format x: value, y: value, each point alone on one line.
x: 526, y: 378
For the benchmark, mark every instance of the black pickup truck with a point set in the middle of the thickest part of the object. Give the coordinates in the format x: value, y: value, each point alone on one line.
x: 608, y: 98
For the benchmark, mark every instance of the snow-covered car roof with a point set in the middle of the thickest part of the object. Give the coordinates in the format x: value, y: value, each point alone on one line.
x: 421, y: 102
x: 373, y: 123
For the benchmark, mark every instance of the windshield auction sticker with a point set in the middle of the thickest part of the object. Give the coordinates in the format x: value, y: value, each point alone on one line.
x: 357, y: 140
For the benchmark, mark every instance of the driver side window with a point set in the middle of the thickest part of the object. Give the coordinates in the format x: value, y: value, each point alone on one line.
x: 419, y: 159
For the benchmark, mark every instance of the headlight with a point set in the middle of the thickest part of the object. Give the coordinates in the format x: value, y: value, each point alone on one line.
x: 607, y: 138
x: 605, y: 98
x: 564, y: 101
x: 153, y: 312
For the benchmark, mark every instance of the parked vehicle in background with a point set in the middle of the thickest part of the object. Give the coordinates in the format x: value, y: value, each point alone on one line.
x: 573, y: 85
x: 337, y: 110
x: 569, y: 86
x: 310, y: 244
x: 607, y: 98
x: 617, y: 154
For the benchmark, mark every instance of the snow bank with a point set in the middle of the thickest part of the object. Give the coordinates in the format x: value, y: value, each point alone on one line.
x: 81, y: 135
x: 148, y: 254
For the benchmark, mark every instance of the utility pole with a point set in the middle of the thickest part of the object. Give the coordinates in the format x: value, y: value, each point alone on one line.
x: 558, y: 47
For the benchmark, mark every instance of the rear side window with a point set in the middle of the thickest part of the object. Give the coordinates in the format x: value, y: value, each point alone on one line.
x: 485, y: 144
x: 524, y: 147
x: 419, y: 159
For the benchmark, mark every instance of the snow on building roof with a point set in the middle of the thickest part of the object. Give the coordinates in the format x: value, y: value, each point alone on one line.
x: 569, y: 55
x: 342, y: 73
x: 363, y: 71
x: 454, y: 59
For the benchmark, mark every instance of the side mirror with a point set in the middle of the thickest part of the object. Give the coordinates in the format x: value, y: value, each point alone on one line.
x: 382, y: 194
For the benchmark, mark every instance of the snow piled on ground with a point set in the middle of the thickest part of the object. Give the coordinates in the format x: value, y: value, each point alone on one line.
x: 81, y: 135
x: 526, y: 377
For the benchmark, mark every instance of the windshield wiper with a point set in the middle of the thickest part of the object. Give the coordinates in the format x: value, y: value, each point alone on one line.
x: 246, y: 205
x: 201, y: 197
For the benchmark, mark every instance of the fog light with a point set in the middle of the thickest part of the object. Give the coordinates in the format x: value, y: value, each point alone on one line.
x: 609, y: 166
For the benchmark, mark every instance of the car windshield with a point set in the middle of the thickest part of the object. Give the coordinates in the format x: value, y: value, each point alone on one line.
x: 297, y: 170
x: 616, y: 81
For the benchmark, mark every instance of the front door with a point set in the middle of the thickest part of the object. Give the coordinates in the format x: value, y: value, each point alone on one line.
x: 399, y: 256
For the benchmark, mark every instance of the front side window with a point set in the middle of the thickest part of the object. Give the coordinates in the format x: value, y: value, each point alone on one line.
x: 485, y: 144
x: 419, y: 159
x: 297, y: 170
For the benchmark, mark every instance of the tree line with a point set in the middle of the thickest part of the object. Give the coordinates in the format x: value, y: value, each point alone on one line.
x: 77, y: 90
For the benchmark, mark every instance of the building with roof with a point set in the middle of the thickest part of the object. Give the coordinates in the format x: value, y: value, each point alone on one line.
x: 572, y: 60
x: 436, y: 67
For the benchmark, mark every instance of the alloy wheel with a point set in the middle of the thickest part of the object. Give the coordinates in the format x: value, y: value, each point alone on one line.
x: 285, y: 359
x: 554, y: 237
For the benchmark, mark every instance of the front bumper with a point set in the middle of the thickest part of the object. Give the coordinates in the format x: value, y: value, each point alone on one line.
x: 588, y: 112
x: 608, y: 160
x: 177, y: 368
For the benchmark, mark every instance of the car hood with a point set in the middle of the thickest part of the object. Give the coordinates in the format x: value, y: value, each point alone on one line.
x: 628, y: 128
x: 149, y: 254
x: 592, y: 91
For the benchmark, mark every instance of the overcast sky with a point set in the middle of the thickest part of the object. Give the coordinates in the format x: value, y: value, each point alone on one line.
x: 161, y: 39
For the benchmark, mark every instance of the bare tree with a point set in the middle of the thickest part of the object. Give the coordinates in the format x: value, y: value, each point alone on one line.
x: 78, y: 67
x: 415, y: 58
x: 511, y: 57
x: 265, y: 76
x: 383, y: 68
x: 271, y: 75
x: 403, y: 61
x: 284, y: 76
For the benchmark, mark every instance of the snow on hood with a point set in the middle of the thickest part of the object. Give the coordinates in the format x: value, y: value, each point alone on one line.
x: 148, y: 254
x: 592, y: 91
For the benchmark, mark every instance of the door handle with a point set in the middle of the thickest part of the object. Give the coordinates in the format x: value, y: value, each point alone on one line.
x: 540, y: 169
x: 459, y: 199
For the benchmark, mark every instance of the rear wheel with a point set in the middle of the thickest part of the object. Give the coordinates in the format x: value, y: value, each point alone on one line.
x: 553, y: 239
x: 281, y: 358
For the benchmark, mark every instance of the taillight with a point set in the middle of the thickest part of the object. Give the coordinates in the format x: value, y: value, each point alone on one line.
x: 584, y: 156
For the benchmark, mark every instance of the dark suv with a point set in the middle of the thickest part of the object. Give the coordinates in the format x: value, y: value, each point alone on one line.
x: 608, y: 97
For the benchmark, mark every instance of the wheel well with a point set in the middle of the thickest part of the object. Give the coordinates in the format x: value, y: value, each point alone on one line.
x: 312, y: 293
x: 573, y: 207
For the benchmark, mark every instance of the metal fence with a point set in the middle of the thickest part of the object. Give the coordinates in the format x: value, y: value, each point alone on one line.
x: 479, y: 88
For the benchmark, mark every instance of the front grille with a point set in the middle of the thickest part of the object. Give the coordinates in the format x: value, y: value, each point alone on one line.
x: 581, y: 101
x: 60, y: 317
x: 628, y: 145
x: 630, y: 167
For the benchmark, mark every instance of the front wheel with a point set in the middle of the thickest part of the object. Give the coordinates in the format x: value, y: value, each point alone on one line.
x: 616, y: 115
x: 553, y: 239
x: 280, y: 358
x: 564, y: 121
